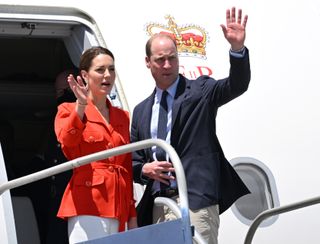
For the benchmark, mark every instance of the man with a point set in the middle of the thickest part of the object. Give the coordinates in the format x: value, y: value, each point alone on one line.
x: 191, y: 108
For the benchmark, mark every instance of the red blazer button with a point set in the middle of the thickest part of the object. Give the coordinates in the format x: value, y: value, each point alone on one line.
x: 91, y: 139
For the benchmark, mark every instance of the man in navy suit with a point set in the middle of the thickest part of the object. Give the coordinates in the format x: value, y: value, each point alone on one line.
x: 192, y: 105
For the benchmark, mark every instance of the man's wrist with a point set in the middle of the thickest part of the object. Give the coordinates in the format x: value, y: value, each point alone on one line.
x: 240, y: 50
x: 238, y: 53
x: 143, y: 177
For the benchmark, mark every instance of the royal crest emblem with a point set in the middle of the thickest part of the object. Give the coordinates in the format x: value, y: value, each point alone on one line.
x: 191, y: 39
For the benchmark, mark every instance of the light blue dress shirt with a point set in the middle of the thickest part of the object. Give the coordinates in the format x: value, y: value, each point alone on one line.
x: 154, y: 122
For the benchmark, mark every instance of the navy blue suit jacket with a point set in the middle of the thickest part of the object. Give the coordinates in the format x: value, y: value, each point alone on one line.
x: 210, y: 177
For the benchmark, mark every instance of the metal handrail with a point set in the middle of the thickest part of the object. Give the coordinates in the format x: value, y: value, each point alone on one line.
x: 274, y: 211
x: 161, y: 201
x: 180, y: 176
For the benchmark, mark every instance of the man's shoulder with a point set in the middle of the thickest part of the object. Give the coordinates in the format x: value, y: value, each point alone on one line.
x: 143, y: 103
x: 200, y: 81
x: 197, y: 79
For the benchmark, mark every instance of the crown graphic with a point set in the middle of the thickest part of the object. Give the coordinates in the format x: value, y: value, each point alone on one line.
x: 191, y: 39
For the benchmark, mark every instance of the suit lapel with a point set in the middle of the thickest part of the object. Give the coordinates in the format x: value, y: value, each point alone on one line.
x: 146, y: 116
x: 182, y: 93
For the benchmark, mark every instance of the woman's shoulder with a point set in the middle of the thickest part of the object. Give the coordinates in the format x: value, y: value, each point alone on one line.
x: 66, y: 106
x: 121, y: 112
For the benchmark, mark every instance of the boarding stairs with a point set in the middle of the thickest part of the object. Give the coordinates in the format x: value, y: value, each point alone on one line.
x: 177, y: 231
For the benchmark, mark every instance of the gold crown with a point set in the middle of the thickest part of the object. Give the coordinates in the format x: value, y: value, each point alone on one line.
x: 191, y: 40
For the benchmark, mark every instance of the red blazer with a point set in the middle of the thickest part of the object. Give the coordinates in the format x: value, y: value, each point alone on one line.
x: 102, y: 188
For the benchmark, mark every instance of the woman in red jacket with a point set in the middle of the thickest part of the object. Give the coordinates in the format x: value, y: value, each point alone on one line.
x: 98, y: 200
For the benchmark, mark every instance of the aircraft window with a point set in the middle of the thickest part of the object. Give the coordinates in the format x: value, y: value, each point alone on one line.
x: 260, y: 181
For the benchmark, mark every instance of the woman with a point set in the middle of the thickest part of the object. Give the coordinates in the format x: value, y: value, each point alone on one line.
x: 98, y: 200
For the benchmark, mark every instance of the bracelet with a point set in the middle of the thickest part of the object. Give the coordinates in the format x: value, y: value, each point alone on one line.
x: 82, y: 104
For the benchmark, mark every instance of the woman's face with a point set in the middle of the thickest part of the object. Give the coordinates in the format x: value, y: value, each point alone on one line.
x: 101, y: 75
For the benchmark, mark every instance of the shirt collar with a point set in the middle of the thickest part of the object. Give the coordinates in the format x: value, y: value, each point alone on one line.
x: 171, y: 89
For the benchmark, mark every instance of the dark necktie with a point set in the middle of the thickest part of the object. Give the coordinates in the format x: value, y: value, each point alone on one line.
x: 162, y: 131
x: 162, y: 125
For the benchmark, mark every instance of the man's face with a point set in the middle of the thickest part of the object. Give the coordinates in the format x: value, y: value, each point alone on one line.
x: 163, y: 62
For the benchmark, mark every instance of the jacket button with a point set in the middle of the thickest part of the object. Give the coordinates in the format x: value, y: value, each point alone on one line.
x: 91, y: 139
x: 110, y: 145
x: 88, y: 183
x: 73, y: 131
x: 110, y: 168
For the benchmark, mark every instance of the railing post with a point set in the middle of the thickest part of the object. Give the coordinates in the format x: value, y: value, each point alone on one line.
x: 275, y: 211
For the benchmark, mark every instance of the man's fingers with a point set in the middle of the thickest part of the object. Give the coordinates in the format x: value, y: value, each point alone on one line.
x: 164, y: 166
x: 233, y: 14
x: 167, y: 182
x: 239, y: 16
x: 245, y: 19
x: 228, y: 19
x: 166, y: 176
x: 163, y: 169
x: 232, y: 18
